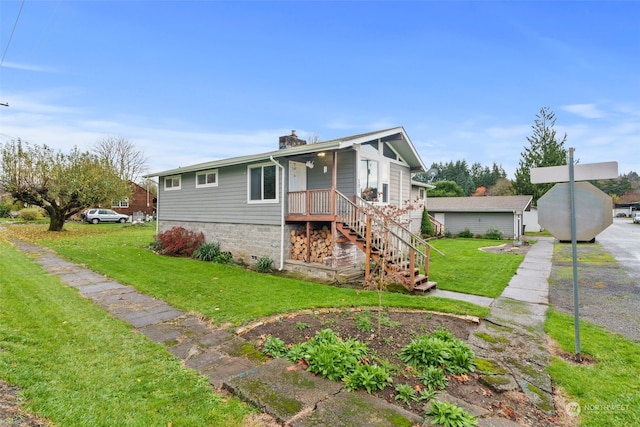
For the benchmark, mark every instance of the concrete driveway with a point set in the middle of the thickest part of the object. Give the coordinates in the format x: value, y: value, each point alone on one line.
x: 622, y: 241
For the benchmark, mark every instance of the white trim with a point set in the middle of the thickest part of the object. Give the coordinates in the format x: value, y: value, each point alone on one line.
x: 262, y: 200
x: 206, y: 173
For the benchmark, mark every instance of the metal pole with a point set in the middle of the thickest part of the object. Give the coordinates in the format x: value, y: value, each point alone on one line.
x: 574, y: 249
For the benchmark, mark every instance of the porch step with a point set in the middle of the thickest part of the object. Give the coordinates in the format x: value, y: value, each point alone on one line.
x: 350, y: 275
x: 425, y: 286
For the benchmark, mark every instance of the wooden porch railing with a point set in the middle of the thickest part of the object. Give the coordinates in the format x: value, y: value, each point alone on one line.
x: 310, y: 202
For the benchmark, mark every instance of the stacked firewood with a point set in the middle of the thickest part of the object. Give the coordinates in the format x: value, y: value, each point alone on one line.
x: 321, y: 244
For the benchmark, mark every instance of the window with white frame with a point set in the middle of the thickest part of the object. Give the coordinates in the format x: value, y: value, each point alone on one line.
x: 124, y: 203
x: 263, y: 183
x: 207, y: 179
x: 172, y: 183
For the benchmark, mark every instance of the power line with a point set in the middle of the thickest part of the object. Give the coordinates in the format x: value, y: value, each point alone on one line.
x: 15, y: 24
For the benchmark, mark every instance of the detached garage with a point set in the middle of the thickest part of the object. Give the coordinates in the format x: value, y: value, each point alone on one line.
x: 479, y: 214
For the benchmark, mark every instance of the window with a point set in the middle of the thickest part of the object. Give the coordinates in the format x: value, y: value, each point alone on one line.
x: 263, y: 183
x: 172, y: 183
x: 369, y: 180
x: 124, y: 203
x: 207, y: 179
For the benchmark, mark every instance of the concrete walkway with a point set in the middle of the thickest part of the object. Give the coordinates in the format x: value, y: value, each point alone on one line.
x: 295, y: 397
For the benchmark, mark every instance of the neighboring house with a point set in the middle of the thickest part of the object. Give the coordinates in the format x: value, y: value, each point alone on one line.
x: 259, y: 205
x: 419, y: 199
x: 530, y: 219
x: 479, y: 214
x: 141, y: 200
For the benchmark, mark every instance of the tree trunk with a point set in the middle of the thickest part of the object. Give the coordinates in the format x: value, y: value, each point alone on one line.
x: 56, y: 220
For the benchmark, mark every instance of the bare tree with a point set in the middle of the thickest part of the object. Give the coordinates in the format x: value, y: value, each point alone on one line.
x: 123, y: 156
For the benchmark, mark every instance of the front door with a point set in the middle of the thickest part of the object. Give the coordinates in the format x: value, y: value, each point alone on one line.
x: 297, y: 176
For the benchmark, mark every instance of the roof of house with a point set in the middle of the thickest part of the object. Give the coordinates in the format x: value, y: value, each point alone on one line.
x: 403, y: 146
x: 479, y: 204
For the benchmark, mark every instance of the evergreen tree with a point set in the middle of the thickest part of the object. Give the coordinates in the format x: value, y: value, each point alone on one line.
x: 544, y: 150
x: 426, y: 226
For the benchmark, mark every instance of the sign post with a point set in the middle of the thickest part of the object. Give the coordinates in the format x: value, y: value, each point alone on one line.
x: 608, y: 170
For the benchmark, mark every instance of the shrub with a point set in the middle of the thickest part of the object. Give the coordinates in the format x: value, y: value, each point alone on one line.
x: 448, y: 234
x: 30, y: 214
x: 263, y: 265
x: 466, y: 233
x: 224, y: 258
x: 207, y: 251
x: 426, y: 226
x: 493, y: 234
x: 5, y: 209
x: 178, y: 241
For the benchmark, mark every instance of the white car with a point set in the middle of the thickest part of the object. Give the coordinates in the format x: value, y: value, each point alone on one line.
x: 636, y: 218
x: 97, y: 215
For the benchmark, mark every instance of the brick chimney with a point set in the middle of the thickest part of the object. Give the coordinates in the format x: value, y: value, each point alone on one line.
x: 292, y: 140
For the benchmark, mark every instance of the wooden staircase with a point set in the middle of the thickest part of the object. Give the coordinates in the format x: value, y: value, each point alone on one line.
x: 386, y: 243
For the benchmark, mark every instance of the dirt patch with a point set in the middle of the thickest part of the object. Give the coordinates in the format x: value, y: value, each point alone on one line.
x: 11, y: 413
x: 475, y: 391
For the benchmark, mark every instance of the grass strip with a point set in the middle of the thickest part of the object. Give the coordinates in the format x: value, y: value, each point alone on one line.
x: 77, y: 366
x: 607, y: 391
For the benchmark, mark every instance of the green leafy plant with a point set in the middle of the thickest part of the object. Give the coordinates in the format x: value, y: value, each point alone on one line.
x: 274, y: 347
x: 441, y: 349
x: 449, y: 415
x: 426, y: 226
x: 369, y: 377
x: 427, y: 394
x: 406, y: 394
x: 493, y: 234
x: 363, y: 322
x: 207, y: 251
x: 433, y: 378
x: 263, y: 265
x: 224, y: 258
x: 301, y: 326
x: 30, y: 214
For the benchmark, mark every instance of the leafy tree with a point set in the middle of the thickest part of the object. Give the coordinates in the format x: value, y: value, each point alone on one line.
x: 544, y: 150
x: 61, y: 184
x: 446, y: 189
x: 469, y: 178
x: 615, y: 187
x: 502, y: 187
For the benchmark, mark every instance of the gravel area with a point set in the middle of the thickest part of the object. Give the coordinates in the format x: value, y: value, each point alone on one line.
x: 608, y: 296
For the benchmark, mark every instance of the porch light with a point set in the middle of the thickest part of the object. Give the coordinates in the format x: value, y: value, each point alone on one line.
x: 321, y: 154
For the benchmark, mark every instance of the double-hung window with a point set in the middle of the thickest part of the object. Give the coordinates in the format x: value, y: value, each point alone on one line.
x: 263, y: 183
x: 172, y: 183
x: 207, y: 179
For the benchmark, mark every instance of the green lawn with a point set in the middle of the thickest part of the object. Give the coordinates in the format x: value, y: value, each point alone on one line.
x: 77, y: 366
x: 223, y: 293
x: 609, y: 390
x: 465, y: 268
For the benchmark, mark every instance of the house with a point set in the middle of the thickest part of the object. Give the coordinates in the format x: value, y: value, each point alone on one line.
x: 141, y: 200
x: 419, y: 198
x: 479, y: 214
x: 309, y: 207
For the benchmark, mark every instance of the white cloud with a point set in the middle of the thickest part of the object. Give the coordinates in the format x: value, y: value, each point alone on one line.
x: 588, y: 111
x: 30, y: 67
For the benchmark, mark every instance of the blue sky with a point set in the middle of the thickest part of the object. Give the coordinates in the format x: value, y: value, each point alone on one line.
x: 188, y: 82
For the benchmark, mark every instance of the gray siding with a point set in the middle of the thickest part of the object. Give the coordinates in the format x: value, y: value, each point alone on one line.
x: 399, y: 191
x: 347, y: 179
x: 226, y: 203
x: 480, y: 223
